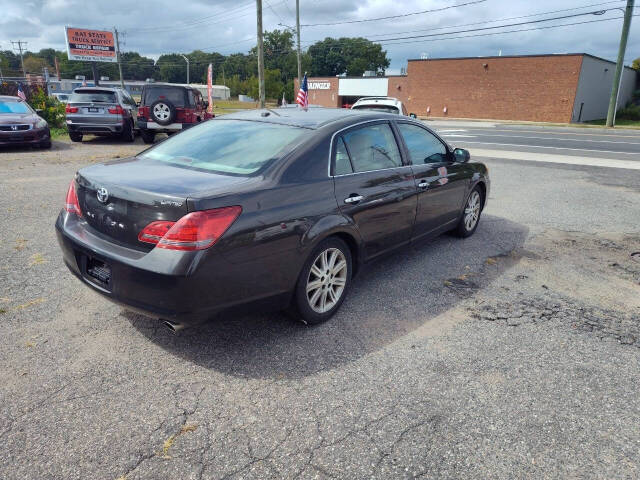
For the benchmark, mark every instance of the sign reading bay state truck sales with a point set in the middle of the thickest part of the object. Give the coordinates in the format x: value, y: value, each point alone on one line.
x: 90, y: 45
x: 319, y: 85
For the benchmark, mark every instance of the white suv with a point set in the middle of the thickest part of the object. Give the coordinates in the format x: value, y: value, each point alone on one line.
x: 381, y: 104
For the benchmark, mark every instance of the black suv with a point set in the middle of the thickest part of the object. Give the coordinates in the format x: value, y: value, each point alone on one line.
x: 166, y: 108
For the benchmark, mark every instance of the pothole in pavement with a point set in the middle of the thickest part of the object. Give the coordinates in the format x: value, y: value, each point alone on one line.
x: 623, y: 327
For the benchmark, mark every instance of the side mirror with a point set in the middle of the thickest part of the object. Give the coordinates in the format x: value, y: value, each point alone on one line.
x: 39, y: 111
x: 413, y: 115
x: 461, y: 155
x: 137, y: 104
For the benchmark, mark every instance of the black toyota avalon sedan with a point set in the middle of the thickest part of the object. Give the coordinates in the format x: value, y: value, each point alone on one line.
x: 264, y: 208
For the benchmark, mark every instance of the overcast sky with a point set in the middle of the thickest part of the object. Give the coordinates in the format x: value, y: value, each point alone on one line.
x: 229, y: 26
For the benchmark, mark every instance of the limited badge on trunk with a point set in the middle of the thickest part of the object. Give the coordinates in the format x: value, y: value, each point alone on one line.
x: 102, y: 194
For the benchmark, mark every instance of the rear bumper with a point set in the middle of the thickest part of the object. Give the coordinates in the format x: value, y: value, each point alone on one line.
x: 95, y: 128
x: 184, y: 287
x: 156, y: 127
x: 27, y: 137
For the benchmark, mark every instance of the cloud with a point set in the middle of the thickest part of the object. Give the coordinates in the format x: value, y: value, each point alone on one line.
x: 228, y: 26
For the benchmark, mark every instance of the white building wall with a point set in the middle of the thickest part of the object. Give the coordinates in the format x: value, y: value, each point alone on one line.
x: 594, y: 89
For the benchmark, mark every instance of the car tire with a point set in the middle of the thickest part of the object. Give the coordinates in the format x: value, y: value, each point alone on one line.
x: 147, y: 136
x: 162, y: 112
x: 470, y: 217
x: 317, y: 305
x: 75, y: 137
x: 128, y: 135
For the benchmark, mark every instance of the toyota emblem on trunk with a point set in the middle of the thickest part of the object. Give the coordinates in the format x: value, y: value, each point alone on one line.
x: 102, y: 194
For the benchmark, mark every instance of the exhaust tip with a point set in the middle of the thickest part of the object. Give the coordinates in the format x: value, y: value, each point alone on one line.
x: 174, y: 327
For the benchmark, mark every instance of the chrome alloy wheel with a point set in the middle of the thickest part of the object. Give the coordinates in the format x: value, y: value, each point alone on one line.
x: 472, y: 211
x: 327, y: 279
x: 161, y: 111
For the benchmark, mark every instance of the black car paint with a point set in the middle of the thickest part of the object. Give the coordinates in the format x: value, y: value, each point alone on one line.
x: 288, y: 207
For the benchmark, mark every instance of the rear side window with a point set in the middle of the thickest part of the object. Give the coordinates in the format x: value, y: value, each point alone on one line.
x: 423, y: 146
x: 372, y: 148
x: 226, y: 146
x: 342, y: 164
x: 174, y: 95
x: 93, y: 96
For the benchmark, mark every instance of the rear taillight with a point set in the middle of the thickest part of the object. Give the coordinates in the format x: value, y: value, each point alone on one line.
x: 143, y: 112
x: 116, y: 110
x: 72, y: 205
x: 70, y: 109
x: 194, y: 231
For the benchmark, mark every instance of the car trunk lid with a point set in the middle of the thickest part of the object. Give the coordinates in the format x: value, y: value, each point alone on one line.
x: 120, y: 198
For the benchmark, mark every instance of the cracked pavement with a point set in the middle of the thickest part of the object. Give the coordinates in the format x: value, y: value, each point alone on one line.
x: 511, y: 354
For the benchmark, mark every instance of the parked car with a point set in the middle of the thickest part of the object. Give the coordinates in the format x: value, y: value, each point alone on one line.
x: 381, y: 104
x: 166, y: 108
x: 61, y: 97
x: 21, y: 125
x: 101, y: 111
x: 265, y: 208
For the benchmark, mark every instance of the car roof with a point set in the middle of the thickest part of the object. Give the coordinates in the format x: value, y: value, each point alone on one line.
x: 106, y: 89
x: 11, y: 98
x: 312, y: 118
x: 378, y: 100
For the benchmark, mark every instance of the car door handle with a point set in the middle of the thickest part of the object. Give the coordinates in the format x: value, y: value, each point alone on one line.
x: 353, y: 199
x: 423, y: 184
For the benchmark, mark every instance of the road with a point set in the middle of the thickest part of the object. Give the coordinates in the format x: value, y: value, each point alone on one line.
x: 511, y: 354
x: 579, y: 146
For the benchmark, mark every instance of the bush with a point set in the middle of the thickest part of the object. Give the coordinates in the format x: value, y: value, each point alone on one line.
x: 49, y: 108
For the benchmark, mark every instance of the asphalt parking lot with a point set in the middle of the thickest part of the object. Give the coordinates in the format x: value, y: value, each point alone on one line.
x: 512, y: 354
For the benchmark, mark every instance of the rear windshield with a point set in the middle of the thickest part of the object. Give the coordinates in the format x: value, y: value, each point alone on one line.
x: 226, y: 146
x: 14, y: 107
x: 378, y: 108
x: 93, y: 96
x: 173, y: 95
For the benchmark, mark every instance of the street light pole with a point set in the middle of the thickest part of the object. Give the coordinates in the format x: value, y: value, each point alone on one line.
x: 628, y: 13
x: 260, y: 53
x: 187, y: 60
x: 298, y: 35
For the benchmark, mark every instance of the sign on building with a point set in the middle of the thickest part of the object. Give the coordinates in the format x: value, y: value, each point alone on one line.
x: 319, y: 85
x: 90, y: 45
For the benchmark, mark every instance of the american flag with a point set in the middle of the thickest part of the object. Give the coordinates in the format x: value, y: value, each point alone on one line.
x: 303, y: 98
x: 21, y: 93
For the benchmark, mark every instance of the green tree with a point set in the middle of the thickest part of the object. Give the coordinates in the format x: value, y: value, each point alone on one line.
x: 351, y: 56
x: 273, y: 85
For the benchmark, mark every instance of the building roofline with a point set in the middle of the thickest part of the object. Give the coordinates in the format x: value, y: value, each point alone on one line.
x: 577, y: 54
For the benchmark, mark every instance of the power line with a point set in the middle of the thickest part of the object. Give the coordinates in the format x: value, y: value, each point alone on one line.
x: 474, y: 2
x: 497, y: 20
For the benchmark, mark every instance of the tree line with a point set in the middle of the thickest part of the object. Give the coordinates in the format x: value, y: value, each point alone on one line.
x: 329, y: 57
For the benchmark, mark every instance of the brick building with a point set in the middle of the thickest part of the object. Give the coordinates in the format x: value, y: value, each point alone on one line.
x: 544, y: 88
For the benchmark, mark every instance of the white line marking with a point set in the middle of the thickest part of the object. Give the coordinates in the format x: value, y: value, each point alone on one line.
x: 560, y: 159
x: 451, y: 130
x: 555, y: 148
x: 564, y: 139
x: 555, y: 133
x: 455, y: 135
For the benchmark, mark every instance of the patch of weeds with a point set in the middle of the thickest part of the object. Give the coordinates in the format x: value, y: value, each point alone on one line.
x: 21, y: 243
x: 37, y: 259
x: 30, y: 303
x: 168, y: 443
x: 3, y: 310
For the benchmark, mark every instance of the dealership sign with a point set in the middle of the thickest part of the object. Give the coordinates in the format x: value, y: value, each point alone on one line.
x: 90, y: 45
x: 319, y: 85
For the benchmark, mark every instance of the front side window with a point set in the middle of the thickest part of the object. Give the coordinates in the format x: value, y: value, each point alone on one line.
x: 227, y: 146
x: 422, y: 145
x: 373, y: 148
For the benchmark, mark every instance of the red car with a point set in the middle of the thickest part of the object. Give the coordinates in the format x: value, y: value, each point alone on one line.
x: 166, y: 108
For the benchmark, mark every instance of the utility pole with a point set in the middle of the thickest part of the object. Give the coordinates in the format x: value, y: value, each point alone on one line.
x: 186, y: 60
x: 94, y: 69
x: 20, y: 43
x: 298, y: 35
x: 628, y: 13
x: 118, y: 57
x: 260, y: 53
